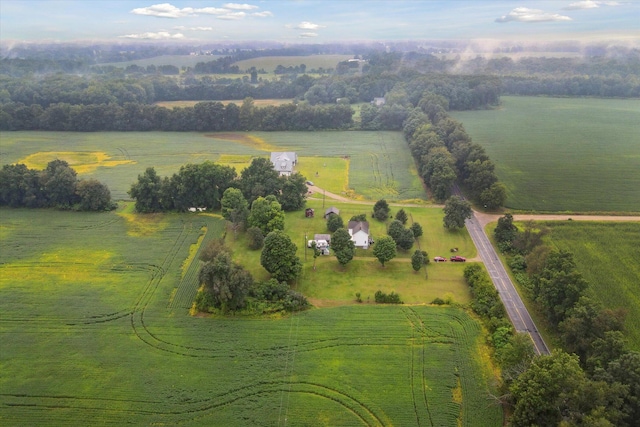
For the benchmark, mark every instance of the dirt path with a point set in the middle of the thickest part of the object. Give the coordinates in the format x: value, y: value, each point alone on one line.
x: 485, y: 218
x: 317, y: 191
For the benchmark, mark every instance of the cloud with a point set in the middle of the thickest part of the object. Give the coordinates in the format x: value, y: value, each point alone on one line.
x: 590, y: 4
x: 262, y: 14
x: 308, y: 35
x: 524, y: 14
x: 237, y: 6
x: 231, y: 16
x: 164, y: 10
x: 306, y: 25
x: 161, y: 35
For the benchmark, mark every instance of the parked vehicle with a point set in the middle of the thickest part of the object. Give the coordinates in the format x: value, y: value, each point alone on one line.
x: 440, y: 259
x: 309, y: 183
x: 458, y: 259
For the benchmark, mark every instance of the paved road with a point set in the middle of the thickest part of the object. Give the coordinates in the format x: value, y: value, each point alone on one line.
x: 516, y: 310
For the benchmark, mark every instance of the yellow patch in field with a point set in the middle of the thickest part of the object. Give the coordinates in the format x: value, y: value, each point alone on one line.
x: 80, y: 161
x: 245, y: 139
x: 61, y: 266
x: 237, y: 161
x: 193, y: 250
x: 142, y: 225
x: 457, y: 392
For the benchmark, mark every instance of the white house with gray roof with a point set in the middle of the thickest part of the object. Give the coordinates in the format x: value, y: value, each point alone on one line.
x: 284, y: 162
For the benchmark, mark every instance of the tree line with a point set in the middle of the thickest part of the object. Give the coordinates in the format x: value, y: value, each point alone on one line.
x: 442, y: 149
x: 56, y: 186
x: 203, y: 117
x: 595, y: 379
x: 204, y: 185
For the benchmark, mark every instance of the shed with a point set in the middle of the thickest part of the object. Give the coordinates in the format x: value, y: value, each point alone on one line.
x: 326, y: 237
x: 332, y: 210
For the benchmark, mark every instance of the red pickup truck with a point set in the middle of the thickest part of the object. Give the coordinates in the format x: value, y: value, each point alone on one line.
x: 458, y: 259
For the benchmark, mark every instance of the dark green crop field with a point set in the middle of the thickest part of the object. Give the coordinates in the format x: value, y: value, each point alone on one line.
x: 608, y: 255
x: 377, y: 164
x: 95, y: 330
x: 563, y: 154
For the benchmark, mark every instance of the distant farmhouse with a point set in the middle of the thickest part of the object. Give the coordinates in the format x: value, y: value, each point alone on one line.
x: 359, y: 232
x: 378, y: 102
x: 284, y: 162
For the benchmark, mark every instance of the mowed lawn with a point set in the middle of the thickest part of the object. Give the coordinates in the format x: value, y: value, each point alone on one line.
x: 334, y: 284
x: 608, y: 255
x: 563, y: 154
x: 95, y: 329
x: 379, y: 164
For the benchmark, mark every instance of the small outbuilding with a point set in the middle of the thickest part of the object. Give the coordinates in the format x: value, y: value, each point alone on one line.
x: 325, y: 237
x: 331, y: 211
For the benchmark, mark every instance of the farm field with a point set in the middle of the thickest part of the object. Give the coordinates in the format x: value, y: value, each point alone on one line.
x: 175, y: 60
x: 269, y: 63
x: 95, y: 329
x: 563, y: 154
x: 607, y: 255
x: 377, y: 161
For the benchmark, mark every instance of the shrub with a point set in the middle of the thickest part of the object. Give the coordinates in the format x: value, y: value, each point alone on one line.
x: 255, y: 238
x: 334, y: 222
x: 392, y: 298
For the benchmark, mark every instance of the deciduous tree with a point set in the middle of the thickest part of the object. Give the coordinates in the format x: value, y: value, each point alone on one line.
x: 334, y: 222
x: 235, y: 207
x: 456, y: 211
x: 384, y: 249
x: 279, y: 257
x: 94, y: 195
x: 417, y: 260
x: 227, y: 282
x: 146, y: 192
x: 343, y: 247
x: 266, y: 214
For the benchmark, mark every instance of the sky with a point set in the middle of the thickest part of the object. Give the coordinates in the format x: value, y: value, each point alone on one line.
x: 312, y: 21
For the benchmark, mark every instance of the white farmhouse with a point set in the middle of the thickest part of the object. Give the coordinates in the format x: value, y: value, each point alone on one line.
x: 283, y: 162
x: 359, y: 232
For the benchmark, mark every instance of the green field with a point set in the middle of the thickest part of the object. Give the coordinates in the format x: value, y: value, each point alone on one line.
x: 175, y: 60
x: 563, y: 154
x: 380, y: 164
x: 608, y: 255
x: 269, y: 63
x: 95, y: 329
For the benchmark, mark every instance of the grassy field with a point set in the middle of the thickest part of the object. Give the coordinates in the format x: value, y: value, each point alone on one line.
x: 95, y: 329
x: 379, y: 163
x: 269, y: 63
x: 175, y: 60
x: 331, y: 283
x: 607, y: 255
x: 563, y: 154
